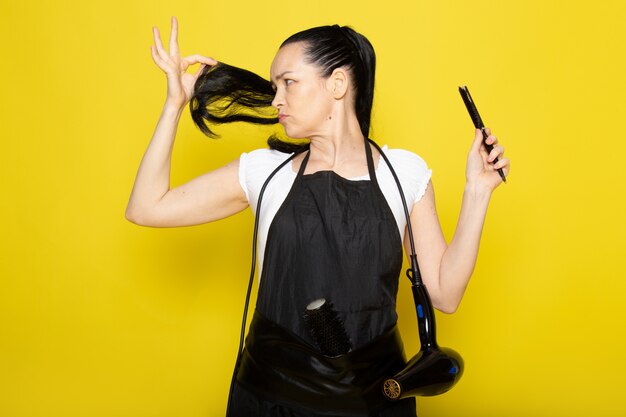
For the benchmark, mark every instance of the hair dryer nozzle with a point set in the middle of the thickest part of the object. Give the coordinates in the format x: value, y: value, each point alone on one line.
x: 428, y: 373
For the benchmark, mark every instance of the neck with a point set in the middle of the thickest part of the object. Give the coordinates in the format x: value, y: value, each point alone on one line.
x: 342, y: 141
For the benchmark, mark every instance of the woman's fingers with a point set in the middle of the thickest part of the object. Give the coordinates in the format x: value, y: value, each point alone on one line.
x: 197, y: 58
x: 481, y: 163
x: 171, y: 63
x: 502, y: 163
x: 159, y: 46
x: 478, y: 139
x: 495, y: 153
x: 174, y: 37
x: 492, y: 140
x: 197, y: 74
x: 156, y: 58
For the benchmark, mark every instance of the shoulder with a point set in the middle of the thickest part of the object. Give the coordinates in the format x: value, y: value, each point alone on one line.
x: 406, y: 160
x: 257, y: 162
x: 412, y: 170
x: 405, y: 156
x: 255, y: 166
x: 263, y: 156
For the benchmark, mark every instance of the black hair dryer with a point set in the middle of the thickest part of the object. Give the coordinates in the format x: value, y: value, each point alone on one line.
x: 433, y: 370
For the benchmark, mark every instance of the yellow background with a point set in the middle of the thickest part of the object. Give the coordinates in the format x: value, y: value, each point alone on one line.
x: 100, y: 317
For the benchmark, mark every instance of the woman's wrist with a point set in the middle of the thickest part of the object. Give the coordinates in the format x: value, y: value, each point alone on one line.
x: 172, y: 107
x: 477, y: 191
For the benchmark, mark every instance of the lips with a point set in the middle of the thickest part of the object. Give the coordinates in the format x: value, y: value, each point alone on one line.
x: 282, y: 117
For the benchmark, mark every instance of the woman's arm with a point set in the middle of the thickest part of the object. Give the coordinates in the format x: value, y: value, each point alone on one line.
x: 446, y: 269
x: 212, y: 196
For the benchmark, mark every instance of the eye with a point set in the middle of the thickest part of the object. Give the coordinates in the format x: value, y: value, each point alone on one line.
x: 288, y: 81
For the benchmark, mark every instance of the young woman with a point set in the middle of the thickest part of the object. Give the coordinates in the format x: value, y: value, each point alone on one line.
x: 331, y: 223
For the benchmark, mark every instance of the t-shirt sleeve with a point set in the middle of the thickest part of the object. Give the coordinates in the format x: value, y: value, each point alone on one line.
x: 254, y: 168
x: 243, y: 165
x: 415, y: 173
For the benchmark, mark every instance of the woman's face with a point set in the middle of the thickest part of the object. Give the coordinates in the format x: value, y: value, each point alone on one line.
x: 303, y: 98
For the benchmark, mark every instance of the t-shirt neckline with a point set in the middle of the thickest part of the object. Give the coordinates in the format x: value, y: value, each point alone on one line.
x: 358, y: 178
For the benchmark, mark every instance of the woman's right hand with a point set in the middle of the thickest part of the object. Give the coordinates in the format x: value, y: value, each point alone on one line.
x: 180, y: 84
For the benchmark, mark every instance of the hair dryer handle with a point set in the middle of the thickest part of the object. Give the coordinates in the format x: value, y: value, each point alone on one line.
x: 425, y: 316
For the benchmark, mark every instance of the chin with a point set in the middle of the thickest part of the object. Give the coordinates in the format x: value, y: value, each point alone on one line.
x: 295, y: 134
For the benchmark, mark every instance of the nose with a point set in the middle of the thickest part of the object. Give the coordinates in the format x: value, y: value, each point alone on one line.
x: 278, y: 100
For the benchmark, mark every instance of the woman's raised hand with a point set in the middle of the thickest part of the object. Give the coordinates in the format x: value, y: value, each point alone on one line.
x: 481, y: 170
x: 180, y: 84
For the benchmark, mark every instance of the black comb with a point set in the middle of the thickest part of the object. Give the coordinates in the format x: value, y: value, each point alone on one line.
x: 478, y: 122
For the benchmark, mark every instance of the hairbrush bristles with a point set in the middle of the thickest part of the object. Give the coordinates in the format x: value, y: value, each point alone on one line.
x: 326, y: 328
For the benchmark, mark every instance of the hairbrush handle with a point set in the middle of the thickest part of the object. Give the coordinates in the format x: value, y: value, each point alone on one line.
x: 478, y: 122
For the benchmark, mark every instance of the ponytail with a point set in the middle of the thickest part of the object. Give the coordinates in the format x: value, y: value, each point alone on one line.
x: 225, y: 94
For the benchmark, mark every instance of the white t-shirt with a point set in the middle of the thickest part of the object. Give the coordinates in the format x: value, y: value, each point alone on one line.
x: 257, y: 165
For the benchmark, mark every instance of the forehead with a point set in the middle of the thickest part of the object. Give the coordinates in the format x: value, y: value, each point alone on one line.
x: 289, y: 58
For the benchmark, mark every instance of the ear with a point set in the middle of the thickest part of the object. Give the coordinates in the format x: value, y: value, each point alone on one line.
x: 337, y: 83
